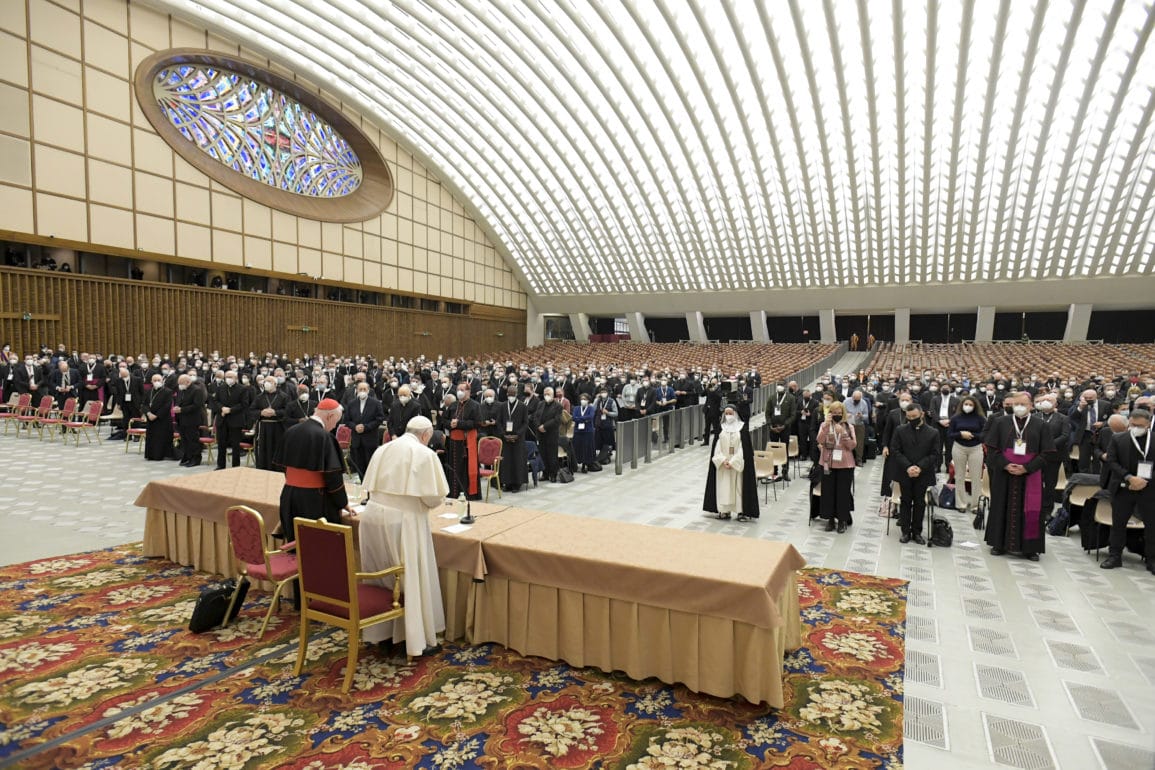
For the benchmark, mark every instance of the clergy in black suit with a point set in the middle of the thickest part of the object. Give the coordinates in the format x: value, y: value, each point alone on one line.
x: 157, y: 412
x: 403, y: 409
x: 189, y: 406
x: 1130, y: 460
x: 126, y: 393
x: 364, y: 417
x: 64, y: 383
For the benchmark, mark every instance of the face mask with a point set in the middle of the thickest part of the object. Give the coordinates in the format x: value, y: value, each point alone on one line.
x: 781, y: 389
x: 548, y: 399
x: 489, y: 399
x: 731, y: 418
x: 461, y: 395
x: 1021, y: 410
x: 1109, y: 393
x: 1046, y: 406
x: 836, y: 418
x: 968, y: 408
x: 270, y: 386
x: 280, y: 380
x: 393, y: 385
x: 245, y: 380
x: 230, y: 380
x: 1138, y: 431
x: 362, y: 395
x: 303, y: 397
x: 857, y: 399
x: 1068, y: 395
x: 156, y: 383
x: 585, y: 402
x: 602, y: 396
x: 915, y: 388
x: 404, y: 399
x: 182, y: 386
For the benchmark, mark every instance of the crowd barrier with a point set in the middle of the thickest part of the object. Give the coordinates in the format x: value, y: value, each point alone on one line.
x: 644, y: 439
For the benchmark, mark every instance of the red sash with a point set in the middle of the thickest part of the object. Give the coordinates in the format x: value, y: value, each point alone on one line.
x: 470, y: 439
x: 299, y: 477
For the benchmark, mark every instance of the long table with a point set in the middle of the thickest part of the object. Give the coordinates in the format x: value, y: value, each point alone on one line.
x: 713, y: 612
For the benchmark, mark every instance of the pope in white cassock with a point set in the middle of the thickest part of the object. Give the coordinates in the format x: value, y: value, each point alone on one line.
x: 405, y: 480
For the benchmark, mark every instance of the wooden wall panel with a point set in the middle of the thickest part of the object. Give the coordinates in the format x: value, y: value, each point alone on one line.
x: 107, y: 315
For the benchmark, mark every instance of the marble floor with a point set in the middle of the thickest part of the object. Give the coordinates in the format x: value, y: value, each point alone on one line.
x: 1009, y: 663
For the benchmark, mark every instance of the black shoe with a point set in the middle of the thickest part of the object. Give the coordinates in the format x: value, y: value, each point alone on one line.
x: 905, y: 538
x: 184, y: 463
x: 841, y: 527
x: 193, y: 463
x: 1111, y: 562
x: 1031, y: 556
x: 830, y: 525
x: 918, y: 539
x: 997, y: 552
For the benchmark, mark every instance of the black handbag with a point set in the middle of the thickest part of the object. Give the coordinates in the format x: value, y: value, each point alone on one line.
x: 213, y: 603
x: 564, y: 475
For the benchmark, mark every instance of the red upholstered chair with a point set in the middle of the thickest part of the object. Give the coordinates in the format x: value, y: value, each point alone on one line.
x: 31, y: 418
x: 58, y: 417
x: 208, y: 439
x: 11, y: 417
x: 489, y: 462
x: 88, y: 423
x: 345, y: 440
x: 248, y: 538
x: 332, y: 591
x: 139, y: 431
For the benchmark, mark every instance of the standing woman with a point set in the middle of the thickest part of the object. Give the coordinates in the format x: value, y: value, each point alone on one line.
x: 158, y: 416
x: 727, y: 466
x: 966, y: 431
x: 837, y: 442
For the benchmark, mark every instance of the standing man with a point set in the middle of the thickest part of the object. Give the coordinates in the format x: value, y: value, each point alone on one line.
x: 314, y: 472
x: 858, y: 413
x: 403, y: 409
x: 781, y: 413
x: 232, y: 402
x: 1060, y: 428
x: 1130, y: 459
x: 462, y: 419
x: 546, y: 423
x: 92, y: 376
x: 1088, y: 416
x: 1017, y: 450
x: 606, y: 407
x: 189, y: 408
x: 127, y: 394
x: 364, y: 417
x: 915, y: 453
x: 944, y: 406
x: 64, y: 383
x: 268, y: 411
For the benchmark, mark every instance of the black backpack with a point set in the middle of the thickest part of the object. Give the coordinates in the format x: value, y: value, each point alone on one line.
x: 941, y: 533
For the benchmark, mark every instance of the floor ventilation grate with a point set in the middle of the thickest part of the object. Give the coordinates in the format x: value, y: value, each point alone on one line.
x: 1100, y: 705
x: 1019, y: 744
x: 1003, y: 684
x: 992, y: 642
x: 923, y: 668
x: 924, y: 721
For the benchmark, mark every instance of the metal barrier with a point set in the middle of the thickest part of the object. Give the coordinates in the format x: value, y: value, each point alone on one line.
x: 655, y: 435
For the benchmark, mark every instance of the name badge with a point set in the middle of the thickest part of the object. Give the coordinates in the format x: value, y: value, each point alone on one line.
x: 836, y: 455
x: 1144, y: 471
x: 90, y: 378
x: 509, y: 426
x: 777, y: 412
x: 127, y: 396
x: 1020, y: 447
x: 581, y: 426
x: 10, y: 375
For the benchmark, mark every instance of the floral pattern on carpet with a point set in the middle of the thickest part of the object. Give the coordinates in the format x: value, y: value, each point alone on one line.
x: 97, y: 670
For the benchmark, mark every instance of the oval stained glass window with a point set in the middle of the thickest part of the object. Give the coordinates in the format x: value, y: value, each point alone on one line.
x: 231, y: 119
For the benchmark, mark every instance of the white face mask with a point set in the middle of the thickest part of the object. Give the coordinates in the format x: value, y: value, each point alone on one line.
x: 1046, y: 406
x: 404, y: 399
x: 270, y: 387
x: 157, y: 383
x: 303, y: 397
x: 489, y: 399
x: 548, y: 399
x: 362, y: 395
x: 731, y: 418
x: 1138, y: 431
x: 968, y: 408
x: 1020, y: 410
x: 183, y: 386
x: 461, y: 395
x: 903, y: 405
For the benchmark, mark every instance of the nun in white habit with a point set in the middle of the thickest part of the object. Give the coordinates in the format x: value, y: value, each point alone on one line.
x: 728, y: 462
x: 405, y: 481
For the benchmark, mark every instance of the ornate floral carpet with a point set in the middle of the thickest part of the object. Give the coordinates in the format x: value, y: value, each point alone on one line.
x: 97, y: 670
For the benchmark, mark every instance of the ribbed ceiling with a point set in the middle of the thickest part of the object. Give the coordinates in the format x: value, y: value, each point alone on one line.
x: 704, y: 146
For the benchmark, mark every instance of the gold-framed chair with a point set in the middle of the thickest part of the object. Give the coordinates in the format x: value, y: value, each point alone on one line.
x: 57, y: 417
x: 138, y: 432
x: 489, y: 463
x: 248, y: 538
x: 86, y: 422
x: 334, y: 592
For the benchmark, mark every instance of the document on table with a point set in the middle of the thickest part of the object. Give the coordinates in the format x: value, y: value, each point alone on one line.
x: 454, y: 529
x: 448, y: 516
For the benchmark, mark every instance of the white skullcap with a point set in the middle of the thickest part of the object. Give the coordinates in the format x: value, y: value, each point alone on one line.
x: 418, y: 425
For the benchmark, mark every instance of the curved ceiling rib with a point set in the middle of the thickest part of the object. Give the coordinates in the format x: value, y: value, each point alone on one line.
x: 650, y: 146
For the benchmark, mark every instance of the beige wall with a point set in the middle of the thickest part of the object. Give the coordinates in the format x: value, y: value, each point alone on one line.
x: 79, y: 162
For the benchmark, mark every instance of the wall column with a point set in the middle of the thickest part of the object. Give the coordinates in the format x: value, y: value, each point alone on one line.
x: 697, y: 327
x: 1078, y: 322
x: 534, y: 325
x: 759, y: 332
x: 637, y: 323
x: 826, y: 325
x: 581, y: 326
x: 901, y: 325
x: 985, y: 327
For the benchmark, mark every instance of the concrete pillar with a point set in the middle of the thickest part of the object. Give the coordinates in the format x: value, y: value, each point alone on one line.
x: 697, y: 327
x: 534, y: 325
x: 1078, y: 321
x: 758, y: 326
x: 581, y: 326
x: 637, y: 323
x: 985, y: 327
x: 826, y: 325
x: 901, y: 325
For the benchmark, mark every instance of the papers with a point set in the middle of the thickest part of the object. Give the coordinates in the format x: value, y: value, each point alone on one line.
x: 455, y: 529
x: 448, y: 516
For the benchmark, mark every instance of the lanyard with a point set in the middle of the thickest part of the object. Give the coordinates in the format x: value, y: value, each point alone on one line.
x: 1145, y: 449
x: 1019, y: 431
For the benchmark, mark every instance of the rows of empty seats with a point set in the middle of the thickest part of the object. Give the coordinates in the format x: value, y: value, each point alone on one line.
x: 772, y: 360
x: 1043, y: 358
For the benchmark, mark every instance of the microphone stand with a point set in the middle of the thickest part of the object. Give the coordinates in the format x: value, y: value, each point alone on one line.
x: 468, y: 517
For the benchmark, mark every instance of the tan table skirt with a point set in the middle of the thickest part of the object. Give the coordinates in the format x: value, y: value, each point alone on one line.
x: 707, y: 654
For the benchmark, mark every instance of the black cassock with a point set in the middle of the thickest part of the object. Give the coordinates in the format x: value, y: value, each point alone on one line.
x: 750, y: 505
x: 1015, y: 522
x: 511, y: 417
x: 158, y: 432
x: 308, y: 447
x: 270, y: 431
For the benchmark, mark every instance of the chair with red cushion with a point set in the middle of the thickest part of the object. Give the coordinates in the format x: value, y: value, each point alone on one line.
x: 489, y: 462
x: 139, y: 431
x: 58, y: 417
x: 23, y: 404
x: 88, y: 423
x: 208, y: 440
x: 248, y: 539
x: 332, y: 590
x: 31, y: 418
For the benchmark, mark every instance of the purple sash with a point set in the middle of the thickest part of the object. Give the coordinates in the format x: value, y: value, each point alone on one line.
x: 1032, y: 496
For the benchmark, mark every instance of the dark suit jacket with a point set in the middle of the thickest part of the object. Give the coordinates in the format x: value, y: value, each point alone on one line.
x: 369, y: 413
x: 21, y: 381
x: 236, y: 398
x: 1079, y: 419
x: 400, y: 415
x: 191, y: 401
x: 118, y: 392
x: 1123, y: 459
x: 69, y: 380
